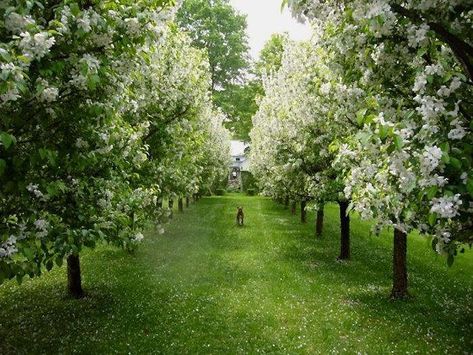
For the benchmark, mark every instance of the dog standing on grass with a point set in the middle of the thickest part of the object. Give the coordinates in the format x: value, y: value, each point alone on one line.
x: 240, y: 216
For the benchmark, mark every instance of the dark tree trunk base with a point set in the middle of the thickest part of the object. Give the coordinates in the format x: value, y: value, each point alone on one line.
x: 303, y: 211
x: 74, y: 282
x: 180, y: 204
x: 188, y: 202
x: 286, y: 202
x: 293, y: 208
x: 399, y: 290
x: 344, y: 231
x: 319, y: 226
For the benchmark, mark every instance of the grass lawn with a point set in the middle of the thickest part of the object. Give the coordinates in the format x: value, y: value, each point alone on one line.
x: 208, y: 286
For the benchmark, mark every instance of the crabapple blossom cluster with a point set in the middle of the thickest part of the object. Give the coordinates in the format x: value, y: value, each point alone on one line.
x: 105, y: 108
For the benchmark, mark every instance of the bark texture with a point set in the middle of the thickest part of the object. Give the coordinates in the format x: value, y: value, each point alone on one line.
x: 74, y: 281
x: 344, y: 231
x: 399, y: 290
x: 319, y: 225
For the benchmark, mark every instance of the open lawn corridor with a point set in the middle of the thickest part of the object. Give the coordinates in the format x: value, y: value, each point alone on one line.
x: 207, y: 286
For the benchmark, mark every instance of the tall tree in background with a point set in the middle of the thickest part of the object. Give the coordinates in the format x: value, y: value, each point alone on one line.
x: 270, y: 58
x: 216, y: 26
x: 240, y: 102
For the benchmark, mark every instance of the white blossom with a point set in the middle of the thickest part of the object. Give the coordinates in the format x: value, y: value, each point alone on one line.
x: 446, y: 207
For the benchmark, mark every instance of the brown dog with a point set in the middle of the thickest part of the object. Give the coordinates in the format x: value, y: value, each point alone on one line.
x: 240, y: 216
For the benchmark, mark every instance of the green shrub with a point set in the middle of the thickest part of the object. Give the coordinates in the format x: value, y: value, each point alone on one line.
x: 248, y: 181
x: 251, y: 192
x: 220, y: 192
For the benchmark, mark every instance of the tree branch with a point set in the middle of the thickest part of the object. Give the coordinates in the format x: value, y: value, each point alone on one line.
x: 462, y: 50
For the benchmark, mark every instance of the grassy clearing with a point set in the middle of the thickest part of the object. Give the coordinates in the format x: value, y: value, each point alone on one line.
x: 208, y: 286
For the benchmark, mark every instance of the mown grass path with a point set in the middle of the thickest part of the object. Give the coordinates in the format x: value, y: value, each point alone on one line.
x: 207, y: 286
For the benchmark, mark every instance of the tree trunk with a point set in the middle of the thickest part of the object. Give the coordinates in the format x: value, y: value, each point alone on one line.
x: 180, y: 204
x: 187, y: 201
x: 293, y: 207
x: 303, y: 211
x: 286, y: 202
x: 344, y: 231
x: 319, y: 226
x: 160, y: 203
x: 171, y: 207
x: 74, y: 283
x: 399, y: 290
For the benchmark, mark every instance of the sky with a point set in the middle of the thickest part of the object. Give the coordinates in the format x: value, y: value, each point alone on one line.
x: 265, y: 18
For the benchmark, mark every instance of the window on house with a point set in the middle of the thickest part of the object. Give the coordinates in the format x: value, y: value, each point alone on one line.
x: 237, y: 159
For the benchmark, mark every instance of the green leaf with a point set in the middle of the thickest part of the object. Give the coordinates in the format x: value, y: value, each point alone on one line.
x: 434, y: 244
x: 383, y: 132
x: 421, y: 51
x: 445, y: 147
x: 6, y: 139
x: 75, y: 9
x: 43, y: 153
x: 445, y: 158
x: 469, y: 186
x: 450, y: 260
x: 59, y: 260
x: 432, y: 219
x: 398, y: 142
x: 457, y: 164
x: 29, y: 253
x: 370, y: 118
x: 431, y: 192
x: 5, y: 55
x: 360, y: 117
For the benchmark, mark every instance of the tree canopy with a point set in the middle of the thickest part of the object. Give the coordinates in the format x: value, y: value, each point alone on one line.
x: 214, y: 25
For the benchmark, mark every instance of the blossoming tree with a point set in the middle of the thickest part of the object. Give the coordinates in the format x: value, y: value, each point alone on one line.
x: 409, y: 166
x: 81, y: 129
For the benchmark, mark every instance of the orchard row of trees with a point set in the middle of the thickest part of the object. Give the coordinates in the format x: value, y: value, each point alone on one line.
x: 374, y: 113
x: 105, y: 111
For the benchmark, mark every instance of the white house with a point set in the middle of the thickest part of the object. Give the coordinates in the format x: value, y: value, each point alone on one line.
x: 239, y: 159
x: 239, y: 162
